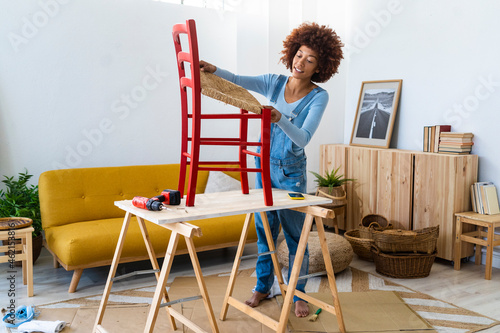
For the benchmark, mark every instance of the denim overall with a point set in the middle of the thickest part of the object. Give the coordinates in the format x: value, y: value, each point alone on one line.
x: 288, y: 172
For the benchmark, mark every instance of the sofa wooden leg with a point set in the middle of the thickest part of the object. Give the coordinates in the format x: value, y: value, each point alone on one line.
x: 55, y: 263
x: 77, y: 274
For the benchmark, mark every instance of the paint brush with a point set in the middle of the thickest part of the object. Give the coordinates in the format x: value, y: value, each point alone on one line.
x: 315, y: 315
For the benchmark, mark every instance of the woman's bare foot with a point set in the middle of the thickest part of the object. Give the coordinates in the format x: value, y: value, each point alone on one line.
x: 301, y: 309
x: 255, y: 299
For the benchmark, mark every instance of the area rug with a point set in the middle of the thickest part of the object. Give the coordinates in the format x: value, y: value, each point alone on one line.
x: 441, y: 315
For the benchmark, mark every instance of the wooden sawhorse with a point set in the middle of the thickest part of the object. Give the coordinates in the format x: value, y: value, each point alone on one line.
x: 178, y: 228
x: 312, y: 212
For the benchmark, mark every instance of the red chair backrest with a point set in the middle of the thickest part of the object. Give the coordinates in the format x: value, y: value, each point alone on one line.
x: 193, y: 80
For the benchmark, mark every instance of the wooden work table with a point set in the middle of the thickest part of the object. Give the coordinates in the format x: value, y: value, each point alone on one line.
x: 215, y: 205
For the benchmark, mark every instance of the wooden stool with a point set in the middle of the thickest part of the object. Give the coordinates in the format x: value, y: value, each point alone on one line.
x: 14, y: 228
x: 339, y: 217
x: 481, y: 221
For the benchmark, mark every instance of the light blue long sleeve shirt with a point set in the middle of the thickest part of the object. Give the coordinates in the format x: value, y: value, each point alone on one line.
x: 304, y: 125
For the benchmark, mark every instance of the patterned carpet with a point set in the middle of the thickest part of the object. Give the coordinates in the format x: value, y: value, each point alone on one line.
x: 443, y: 316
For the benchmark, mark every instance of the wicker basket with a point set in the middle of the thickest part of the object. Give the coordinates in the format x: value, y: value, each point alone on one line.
x: 360, y: 246
x: 372, y: 222
x: 403, y: 265
x: 8, y: 223
x: 416, y: 241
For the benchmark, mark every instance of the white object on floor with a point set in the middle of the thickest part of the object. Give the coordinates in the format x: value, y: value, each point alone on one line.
x: 42, y: 326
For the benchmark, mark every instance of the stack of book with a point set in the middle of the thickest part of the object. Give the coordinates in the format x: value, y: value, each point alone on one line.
x: 432, y: 136
x: 484, y: 198
x: 455, y: 143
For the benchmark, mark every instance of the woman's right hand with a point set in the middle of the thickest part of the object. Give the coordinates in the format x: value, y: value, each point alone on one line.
x: 207, y: 67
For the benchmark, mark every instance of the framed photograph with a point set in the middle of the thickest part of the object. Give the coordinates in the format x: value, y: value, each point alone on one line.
x: 376, y: 112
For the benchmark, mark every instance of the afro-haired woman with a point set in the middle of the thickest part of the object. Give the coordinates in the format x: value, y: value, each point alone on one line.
x: 312, y: 53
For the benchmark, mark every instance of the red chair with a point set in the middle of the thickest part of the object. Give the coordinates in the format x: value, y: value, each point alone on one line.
x: 192, y: 121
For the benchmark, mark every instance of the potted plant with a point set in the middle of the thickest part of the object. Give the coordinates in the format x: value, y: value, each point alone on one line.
x: 330, y: 186
x: 20, y: 199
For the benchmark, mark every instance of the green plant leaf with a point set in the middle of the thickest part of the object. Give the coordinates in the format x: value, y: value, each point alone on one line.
x: 20, y: 199
x: 331, y: 179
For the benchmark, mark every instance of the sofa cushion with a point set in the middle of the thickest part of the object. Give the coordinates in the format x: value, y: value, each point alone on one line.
x: 92, y: 243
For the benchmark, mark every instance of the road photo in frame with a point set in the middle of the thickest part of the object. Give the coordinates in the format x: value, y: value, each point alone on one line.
x: 376, y: 112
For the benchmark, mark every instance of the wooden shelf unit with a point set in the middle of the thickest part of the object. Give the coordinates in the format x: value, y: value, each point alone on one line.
x: 412, y: 189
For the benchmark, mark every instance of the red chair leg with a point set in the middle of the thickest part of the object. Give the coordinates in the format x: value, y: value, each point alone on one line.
x: 242, y: 155
x: 193, y: 177
x: 265, y: 156
x: 182, y: 174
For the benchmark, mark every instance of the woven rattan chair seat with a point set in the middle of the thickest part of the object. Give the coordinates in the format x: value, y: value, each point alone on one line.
x: 228, y: 92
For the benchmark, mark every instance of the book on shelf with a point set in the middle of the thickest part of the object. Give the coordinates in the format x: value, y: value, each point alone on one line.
x: 457, y: 135
x: 426, y: 138
x: 432, y: 137
x: 477, y: 196
x: 491, y: 199
x: 454, y: 148
x: 455, y: 143
x: 456, y: 139
x: 473, y: 198
x: 440, y: 129
x: 454, y: 152
x: 484, y: 198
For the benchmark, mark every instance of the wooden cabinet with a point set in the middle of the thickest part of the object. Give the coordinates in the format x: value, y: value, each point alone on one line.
x: 411, y: 189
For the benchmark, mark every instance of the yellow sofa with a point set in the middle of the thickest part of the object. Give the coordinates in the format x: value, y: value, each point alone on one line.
x: 82, y: 224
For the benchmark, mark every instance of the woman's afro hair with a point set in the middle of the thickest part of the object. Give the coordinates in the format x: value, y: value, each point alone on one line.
x: 321, y: 39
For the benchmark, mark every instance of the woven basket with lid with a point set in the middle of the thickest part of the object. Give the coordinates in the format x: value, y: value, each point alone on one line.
x: 397, y: 240
x: 372, y: 222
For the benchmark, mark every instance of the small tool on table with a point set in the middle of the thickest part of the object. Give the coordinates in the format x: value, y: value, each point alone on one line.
x: 315, y: 315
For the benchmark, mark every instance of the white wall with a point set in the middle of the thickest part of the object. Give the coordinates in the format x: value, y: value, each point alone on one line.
x: 93, y: 83
x: 446, y: 54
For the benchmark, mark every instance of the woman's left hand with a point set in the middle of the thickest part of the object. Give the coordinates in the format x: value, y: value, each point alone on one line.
x: 275, y: 114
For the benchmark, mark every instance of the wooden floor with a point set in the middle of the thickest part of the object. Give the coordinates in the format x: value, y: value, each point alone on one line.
x: 466, y: 288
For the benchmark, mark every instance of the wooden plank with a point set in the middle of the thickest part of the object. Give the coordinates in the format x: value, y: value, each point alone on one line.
x: 210, y: 205
x: 331, y: 276
x: 201, y: 284
x: 255, y: 314
x: 441, y: 189
x: 394, y: 187
x: 112, y: 272
x: 474, y: 240
x: 317, y: 211
x: 236, y: 265
x: 100, y: 329
x: 154, y: 264
x: 458, y: 242
x: 185, y: 229
x: 294, y: 275
x: 162, y: 282
x: 362, y: 193
x: 187, y: 322
x: 333, y: 156
x: 319, y: 303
